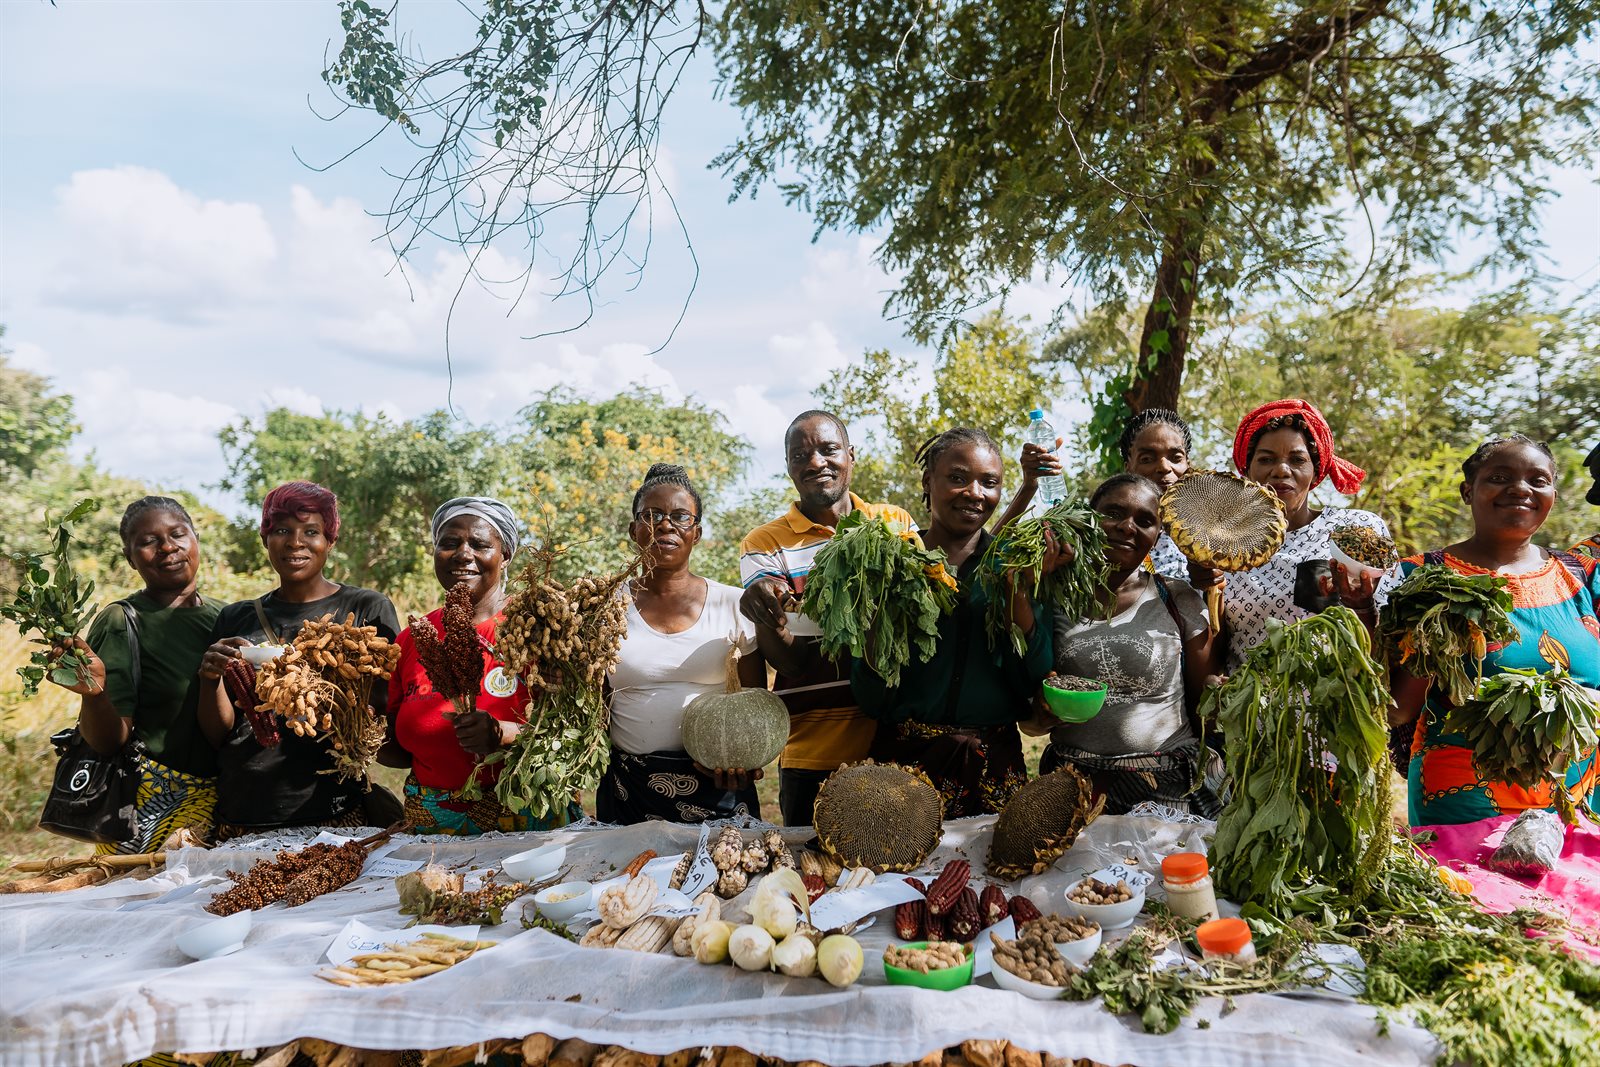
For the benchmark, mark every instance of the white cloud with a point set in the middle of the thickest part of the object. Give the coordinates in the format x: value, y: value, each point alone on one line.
x: 150, y: 433
x: 135, y: 242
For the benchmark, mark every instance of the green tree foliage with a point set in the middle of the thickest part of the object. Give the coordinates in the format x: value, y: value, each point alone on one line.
x: 1179, y: 154
x: 580, y: 462
x: 35, y: 422
x: 988, y: 376
x: 389, y: 475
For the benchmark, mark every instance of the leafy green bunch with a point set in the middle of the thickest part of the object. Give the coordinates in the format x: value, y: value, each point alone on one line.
x: 1018, y: 552
x: 1305, y: 722
x: 878, y: 595
x: 53, y: 604
x: 1526, y: 728
x: 1437, y: 621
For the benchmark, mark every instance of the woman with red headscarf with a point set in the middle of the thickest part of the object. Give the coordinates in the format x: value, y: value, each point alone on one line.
x: 285, y: 785
x: 1286, y: 445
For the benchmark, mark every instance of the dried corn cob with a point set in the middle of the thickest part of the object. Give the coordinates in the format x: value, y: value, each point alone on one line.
x: 650, y: 934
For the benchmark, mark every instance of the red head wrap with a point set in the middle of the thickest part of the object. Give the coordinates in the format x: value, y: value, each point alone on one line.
x: 293, y: 499
x: 1346, y: 475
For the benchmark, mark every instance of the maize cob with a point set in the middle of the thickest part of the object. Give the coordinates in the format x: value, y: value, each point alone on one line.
x: 650, y: 934
x: 622, y: 906
x: 946, y: 889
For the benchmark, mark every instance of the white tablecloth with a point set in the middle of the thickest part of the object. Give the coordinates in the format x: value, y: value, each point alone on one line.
x: 92, y: 977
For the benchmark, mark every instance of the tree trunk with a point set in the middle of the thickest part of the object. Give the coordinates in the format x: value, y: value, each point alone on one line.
x: 1164, y: 343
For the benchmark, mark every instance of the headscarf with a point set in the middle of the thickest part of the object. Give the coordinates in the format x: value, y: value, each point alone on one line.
x: 485, y: 507
x: 293, y: 499
x: 1346, y: 475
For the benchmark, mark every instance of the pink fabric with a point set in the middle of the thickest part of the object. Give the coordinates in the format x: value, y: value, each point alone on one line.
x: 1571, y: 891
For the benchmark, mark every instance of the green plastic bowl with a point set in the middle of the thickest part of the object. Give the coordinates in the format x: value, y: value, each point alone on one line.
x: 943, y: 980
x: 1071, y: 706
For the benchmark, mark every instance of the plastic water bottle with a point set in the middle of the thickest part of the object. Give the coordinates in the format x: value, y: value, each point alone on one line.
x: 1052, y: 487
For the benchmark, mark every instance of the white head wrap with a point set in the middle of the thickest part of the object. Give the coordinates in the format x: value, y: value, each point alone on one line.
x: 495, y: 513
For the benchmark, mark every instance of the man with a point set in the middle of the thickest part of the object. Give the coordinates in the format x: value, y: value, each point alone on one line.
x: 826, y: 729
x: 1590, y: 546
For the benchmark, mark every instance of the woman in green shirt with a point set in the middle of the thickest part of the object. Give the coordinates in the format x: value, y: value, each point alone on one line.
x: 955, y: 717
x: 170, y: 627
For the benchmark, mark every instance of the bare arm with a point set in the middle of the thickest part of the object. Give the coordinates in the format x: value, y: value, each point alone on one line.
x: 1034, y: 462
x: 216, y: 712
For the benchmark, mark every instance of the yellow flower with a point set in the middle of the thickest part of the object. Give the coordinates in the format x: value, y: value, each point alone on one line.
x: 938, y: 574
x: 1454, y: 880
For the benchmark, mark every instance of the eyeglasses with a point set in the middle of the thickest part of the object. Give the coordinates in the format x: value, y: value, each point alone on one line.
x: 683, y: 520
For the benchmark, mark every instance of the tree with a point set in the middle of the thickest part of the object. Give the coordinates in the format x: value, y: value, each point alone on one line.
x: 1181, y: 151
x: 989, y: 376
x: 389, y: 476
x: 581, y: 461
x: 35, y: 422
x: 1411, y: 388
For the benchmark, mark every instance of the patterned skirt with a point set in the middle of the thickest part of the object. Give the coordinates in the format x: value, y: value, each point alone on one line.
x: 168, y: 801
x: 665, y: 786
x: 431, y: 810
x: 975, y: 768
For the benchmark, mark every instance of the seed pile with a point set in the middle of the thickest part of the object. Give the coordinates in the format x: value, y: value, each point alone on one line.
x: 453, y: 660
x: 938, y: 956
x: 296, y: 877
x: 1033, y: 959
x: 404, y: 961
x: 1057, y: 928
x: 1365, y: 545
x: 563, y: 639
x: 1017, y: 555
x: 1094, y: 891
x: 1071, y: 683
x: 322, y: 687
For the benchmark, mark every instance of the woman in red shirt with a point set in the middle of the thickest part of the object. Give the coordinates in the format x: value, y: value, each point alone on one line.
x: 474, y: 539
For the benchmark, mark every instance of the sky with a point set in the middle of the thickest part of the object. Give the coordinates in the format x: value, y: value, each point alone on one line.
x: 175, y: 255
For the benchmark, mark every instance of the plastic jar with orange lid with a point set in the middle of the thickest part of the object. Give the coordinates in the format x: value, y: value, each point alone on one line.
x: 1226, y: 939
x: 1186, y: 876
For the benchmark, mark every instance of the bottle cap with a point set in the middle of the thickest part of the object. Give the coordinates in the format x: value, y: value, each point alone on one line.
x: 1223, y: 937
x: 1036, y: 414
x: 1184, y: 866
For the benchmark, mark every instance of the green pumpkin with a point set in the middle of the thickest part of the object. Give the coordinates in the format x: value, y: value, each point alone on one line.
x: 738, y: 730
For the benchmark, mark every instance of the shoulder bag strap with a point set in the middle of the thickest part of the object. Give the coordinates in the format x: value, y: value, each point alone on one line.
x: 261, y: 617
x: 1570, y: 561
x: 1183, y: 645
x: 130, y: 617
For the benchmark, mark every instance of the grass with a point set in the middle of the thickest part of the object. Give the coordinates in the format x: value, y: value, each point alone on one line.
x: 27, y: 762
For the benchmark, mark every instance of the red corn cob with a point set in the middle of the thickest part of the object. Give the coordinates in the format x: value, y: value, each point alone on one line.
x: 964, y: 921
x: 909, y: 920
x: 1023, y: 911
x: 946, y: 889
x: 992, y: 904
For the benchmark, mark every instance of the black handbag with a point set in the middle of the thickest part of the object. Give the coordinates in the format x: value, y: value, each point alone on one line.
x: 94, y: 798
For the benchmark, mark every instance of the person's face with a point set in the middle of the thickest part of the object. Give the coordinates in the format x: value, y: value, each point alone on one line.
x: 1128, y: 515
x: 1513, y: 491
x: 469, y: 551
x: 964, y: 487
x: 820, y: 462
x: 1282, y: 462
x: 297, y: 547
x: 1158, y: 454
x: 164, y: 550
x: 666, y: 526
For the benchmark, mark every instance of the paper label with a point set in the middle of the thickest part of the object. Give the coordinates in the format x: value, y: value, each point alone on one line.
x: 839, y: 906
x: 1135, y: 877
x: 357, y: 939
x: 702, y: 872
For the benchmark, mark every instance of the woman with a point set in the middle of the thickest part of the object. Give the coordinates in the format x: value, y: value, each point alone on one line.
x: 1286, y: 445
x: 1154, y: 653
x: 680, y: 627
x: 474, y: 540
x: 956, y: 715
x: 155, y: 700
x: 1509, y: 485
x: 265, y: 788
x: 1156, y: 444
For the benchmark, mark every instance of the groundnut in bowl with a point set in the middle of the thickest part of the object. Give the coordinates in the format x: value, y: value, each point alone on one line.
x: 1112, y: 905
x: 561, y: 902
x: 1076, y: 939
x: 1030, y: 966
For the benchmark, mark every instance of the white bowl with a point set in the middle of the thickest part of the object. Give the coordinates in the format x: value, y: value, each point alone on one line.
x: 261, y: 654
x: 1078, y: 953
x: 562, y: 910
x: 1109, y: 916
x: 1356, y: 570
x: 1032, y: 990
x: 216, y: 938
x: 802, y: 625
x: 536, y: 863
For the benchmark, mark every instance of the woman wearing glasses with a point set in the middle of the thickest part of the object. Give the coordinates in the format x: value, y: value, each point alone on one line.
x: 679, y: 628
